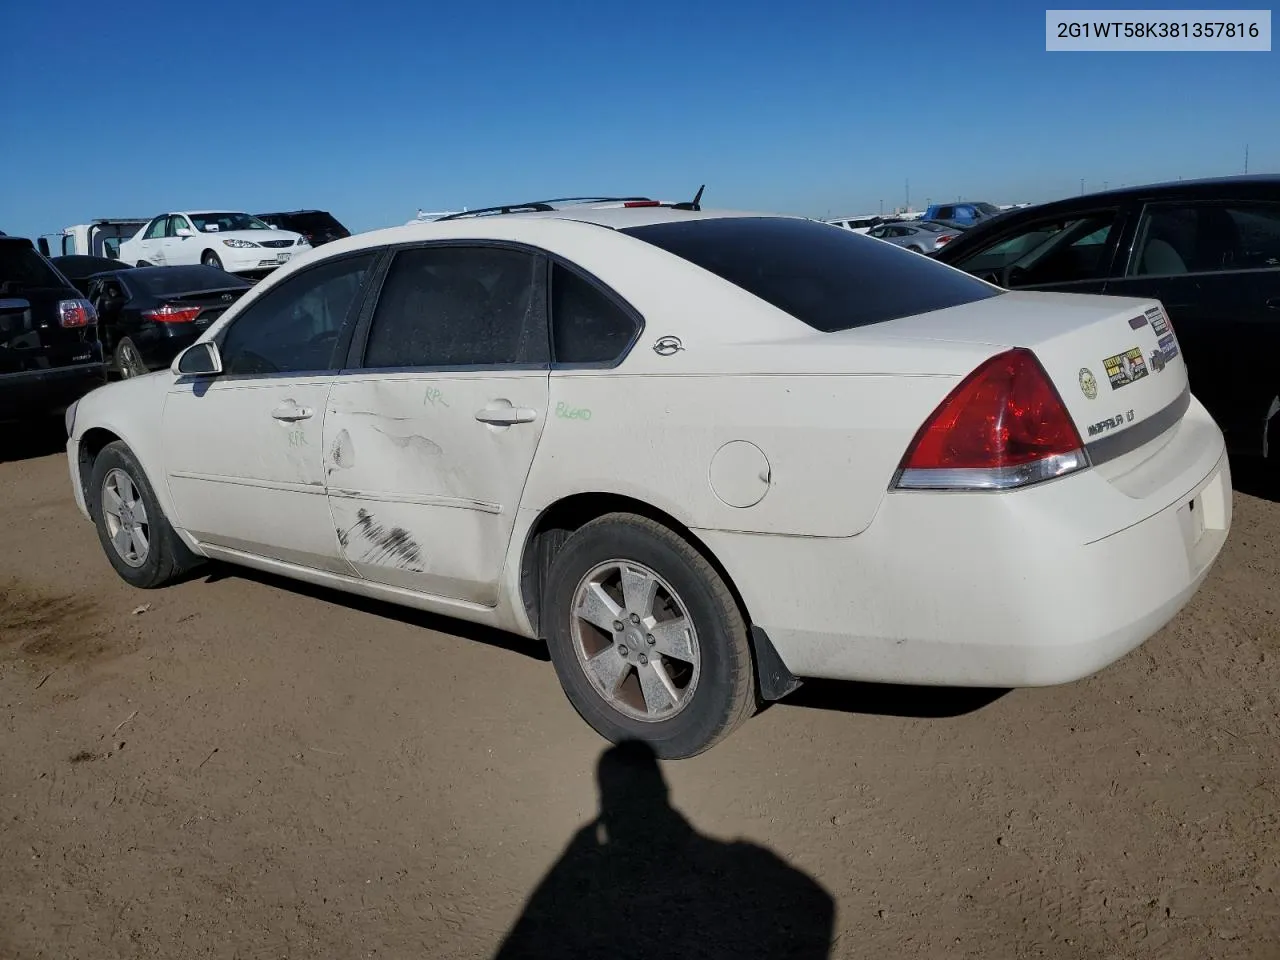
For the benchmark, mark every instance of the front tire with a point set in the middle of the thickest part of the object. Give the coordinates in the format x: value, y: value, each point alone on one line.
x: 211, y: 259
x: 137, y: 538
x: 646, y: 637
x: 128, y: 360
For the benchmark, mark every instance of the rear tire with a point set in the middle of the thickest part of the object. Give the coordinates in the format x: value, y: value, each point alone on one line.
x: 211, y: 259
x: 135, y: 535
x: 142, y: 263
x: 128, y: 360
x: 915, y: 249
x: 668, y: 642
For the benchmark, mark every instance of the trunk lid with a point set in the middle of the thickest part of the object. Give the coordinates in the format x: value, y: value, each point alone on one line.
x: 1115, y: 361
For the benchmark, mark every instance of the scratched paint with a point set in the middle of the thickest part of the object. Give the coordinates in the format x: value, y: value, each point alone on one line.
x: 298, y: 438
x: 384, y: 546
x: 415, y: 442
x: 342, y: 454
x: 435, y: 397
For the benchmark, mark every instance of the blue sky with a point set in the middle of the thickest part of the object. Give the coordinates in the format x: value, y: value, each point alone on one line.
x: 375, y: 108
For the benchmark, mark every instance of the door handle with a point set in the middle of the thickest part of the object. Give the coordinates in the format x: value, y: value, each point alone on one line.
x: 291, y: 412
x: 505, y: 416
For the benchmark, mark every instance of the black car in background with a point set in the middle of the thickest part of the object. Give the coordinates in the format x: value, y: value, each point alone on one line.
x: 318, y: 226
x: 149, y: 314
x: 79, y: 268
x: 1209, y: 250
x: 50, y: 355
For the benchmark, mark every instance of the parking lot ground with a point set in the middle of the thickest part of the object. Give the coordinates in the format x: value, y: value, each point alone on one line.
x: 240, y: 767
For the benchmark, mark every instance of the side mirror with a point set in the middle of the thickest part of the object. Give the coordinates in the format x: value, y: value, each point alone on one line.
x: 42, y: 245
x: 184, y: 232
x: 198, y: 360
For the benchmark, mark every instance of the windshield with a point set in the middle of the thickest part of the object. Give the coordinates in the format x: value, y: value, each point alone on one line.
x: 828, y: 278
x: 168, y: 281
x: 21, y: 267
x: 222, y: 222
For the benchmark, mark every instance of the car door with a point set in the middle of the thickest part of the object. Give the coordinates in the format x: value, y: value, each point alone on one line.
x: 176, y: 249
x: 149, y: 244
x: 1215, y: 265
x: 429, y: 436
x: 243, y: 449
x: 1067, y: 252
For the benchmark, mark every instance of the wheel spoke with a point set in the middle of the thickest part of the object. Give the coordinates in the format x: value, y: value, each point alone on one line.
x: 672, y: 638
x: 597, y: 607
x: 138, y: 537
x: 608, y: 668
x: 638, y: 591
x: 111, y: 500
x: 122, y: 541
x: 127, y: 492
x: 659, y: 695
x: 139, y: 512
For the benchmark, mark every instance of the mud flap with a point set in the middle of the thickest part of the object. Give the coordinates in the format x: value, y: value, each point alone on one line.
x: 775, y: 680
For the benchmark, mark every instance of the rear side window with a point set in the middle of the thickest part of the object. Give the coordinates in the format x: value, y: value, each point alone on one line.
x: 830, y: 279
x: 22, y: 267
x: 453, y: 306
x: 588, y: 326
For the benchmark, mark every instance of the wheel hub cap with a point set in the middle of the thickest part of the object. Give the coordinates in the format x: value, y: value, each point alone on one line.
x: 635, y: 641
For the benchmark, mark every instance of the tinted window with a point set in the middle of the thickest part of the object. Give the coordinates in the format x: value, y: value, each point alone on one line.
x: 22, y: 267
x: 830, y: 279
x: 295, y: 327
x: 460, y: 306
x: 168, y: 281
x: 1058, y: 250
x: 587, y: 325
x: 1207, y: 237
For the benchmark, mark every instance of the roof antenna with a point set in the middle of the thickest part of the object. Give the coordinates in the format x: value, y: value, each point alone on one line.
x: 695, y: 204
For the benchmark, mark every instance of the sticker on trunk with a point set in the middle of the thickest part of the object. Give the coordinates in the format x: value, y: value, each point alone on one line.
x: 1088, y: 383
x: 1158, y: 322
x: 1169, y: 347
x: 1124, y: 368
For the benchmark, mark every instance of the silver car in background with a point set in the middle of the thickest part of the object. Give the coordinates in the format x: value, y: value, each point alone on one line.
x: 922, y: 236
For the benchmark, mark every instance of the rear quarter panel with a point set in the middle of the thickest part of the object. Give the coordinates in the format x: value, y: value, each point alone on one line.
x: 826, y: 446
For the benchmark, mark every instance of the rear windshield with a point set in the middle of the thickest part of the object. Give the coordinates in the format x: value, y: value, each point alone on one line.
x: 318, y: 222
x: 21, y: 267
x: 829, y: 278
x: 168, y: 281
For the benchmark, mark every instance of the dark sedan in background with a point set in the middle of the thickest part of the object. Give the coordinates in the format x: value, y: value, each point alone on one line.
x: 149, y: 314
x: 80, y: 268
x: 1208, y: 249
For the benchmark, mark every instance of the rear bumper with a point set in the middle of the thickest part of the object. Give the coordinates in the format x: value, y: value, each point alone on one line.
x: 987, y: 590
x: 41, y: 392
x: 160, y: 344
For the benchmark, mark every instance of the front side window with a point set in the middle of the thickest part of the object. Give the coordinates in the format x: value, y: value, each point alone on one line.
x: 1176, y: 239
x: 156, y: 230
x: 458, y: 306
x: 588, y: 326
x: 1059, y: 250
x: 294, y: 328
x: 829, y: 279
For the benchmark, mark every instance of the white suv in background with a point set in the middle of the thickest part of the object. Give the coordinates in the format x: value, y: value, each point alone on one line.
x: 235, y: 242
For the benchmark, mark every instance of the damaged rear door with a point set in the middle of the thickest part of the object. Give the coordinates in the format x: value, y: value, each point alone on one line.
x: 429, y: 436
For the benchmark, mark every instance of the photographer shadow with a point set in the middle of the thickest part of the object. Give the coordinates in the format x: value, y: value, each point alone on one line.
x: 640, y: 881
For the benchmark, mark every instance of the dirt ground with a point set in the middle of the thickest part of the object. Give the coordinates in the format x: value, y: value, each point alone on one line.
x: 239, y: 767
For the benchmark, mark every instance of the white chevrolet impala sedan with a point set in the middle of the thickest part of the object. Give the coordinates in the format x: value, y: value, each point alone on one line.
x: 701, y: 455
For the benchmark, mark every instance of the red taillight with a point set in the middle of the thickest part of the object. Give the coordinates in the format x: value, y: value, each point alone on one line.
x: 1003, y: 426
x: 171, y: 314
x: 941, y: 240
x: 76, y: 313
x: 643, y: 203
